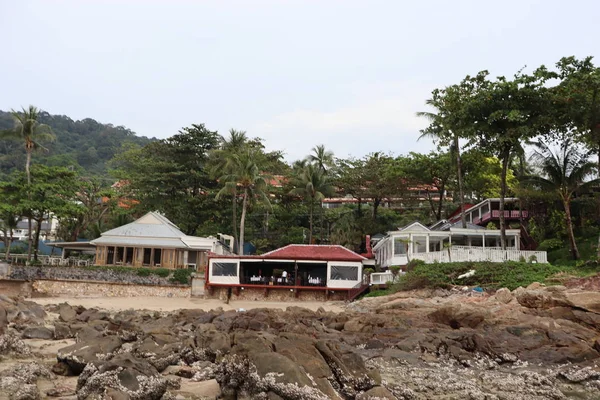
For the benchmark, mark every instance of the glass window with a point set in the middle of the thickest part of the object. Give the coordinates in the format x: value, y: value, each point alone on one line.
x: 400, y: 246
x: 224, y: 269
x: 344, y: 273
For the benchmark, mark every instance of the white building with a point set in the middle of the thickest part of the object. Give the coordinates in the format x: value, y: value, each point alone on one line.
x: 451, y: 243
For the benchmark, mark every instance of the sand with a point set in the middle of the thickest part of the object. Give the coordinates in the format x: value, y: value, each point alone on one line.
x: 172, y: 304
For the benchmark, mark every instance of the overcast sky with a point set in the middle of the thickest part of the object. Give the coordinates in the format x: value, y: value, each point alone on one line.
x: 346, y: 74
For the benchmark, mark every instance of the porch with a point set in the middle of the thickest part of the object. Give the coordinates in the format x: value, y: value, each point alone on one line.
x: 493, y: 254
x: 150, y: 257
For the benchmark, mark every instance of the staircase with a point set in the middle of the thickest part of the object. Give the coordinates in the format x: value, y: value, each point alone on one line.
x: 527, y: 242
x: 358, y: 289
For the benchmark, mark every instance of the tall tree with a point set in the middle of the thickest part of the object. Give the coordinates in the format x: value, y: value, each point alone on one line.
x: 244, y: 173
x: 313, y: 185
x: 223, y: 160
x: 564, y: 173
x: 172, y: 176
x: 321, y: 157
x: 32, y: 133
x: 505, y: 113
x: 382, y: 179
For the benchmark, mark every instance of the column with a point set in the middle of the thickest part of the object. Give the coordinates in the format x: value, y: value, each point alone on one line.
x: 427, y: 243
x: 483, y: 239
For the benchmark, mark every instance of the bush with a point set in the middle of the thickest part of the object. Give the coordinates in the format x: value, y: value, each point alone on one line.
x: 488, y: 275
x: 162, y: 272
x: 368, y: 271
x: 181, y: 276
x: 550, y: 244
x: 143, y: 272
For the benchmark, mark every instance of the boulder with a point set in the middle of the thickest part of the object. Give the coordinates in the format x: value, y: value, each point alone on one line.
x: 542, y: 299
x: 37, y: 332
x: 458, y: 316
x: 503, y: 296
x: 125, y: 376
x: 66, y: 313
x: 62, y: 331
x: 588, y: 301
x: 78, y: 355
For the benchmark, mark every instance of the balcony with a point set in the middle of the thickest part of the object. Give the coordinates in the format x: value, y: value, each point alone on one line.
x: 495, y: 215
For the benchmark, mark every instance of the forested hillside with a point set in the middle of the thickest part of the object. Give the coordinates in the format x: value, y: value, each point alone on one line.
x: 85, y: 145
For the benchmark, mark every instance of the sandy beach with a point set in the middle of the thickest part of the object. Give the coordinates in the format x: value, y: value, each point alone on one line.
x: 171, y: 304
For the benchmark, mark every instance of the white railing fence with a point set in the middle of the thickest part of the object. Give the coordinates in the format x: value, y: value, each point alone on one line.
x: 381, y: 278
x: 495, y: 254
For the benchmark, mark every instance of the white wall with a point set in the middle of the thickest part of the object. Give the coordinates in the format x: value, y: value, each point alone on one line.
x: 343, y: 284
x: 224, y: 279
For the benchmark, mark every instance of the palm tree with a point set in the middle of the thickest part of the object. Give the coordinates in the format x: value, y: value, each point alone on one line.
x: 312, y: 185
x: 223, y: 161
x: 321, y: 157
x: 439, y: 130
x: 32, y: 133
x: 242, y: 173
x: 564, y: 173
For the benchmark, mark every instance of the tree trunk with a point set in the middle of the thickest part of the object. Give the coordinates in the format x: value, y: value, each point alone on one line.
x: 28, y: 149
x: 234, y: 221
x: 36, y: 244
x: 569, y: 221
x: 430, y: 201
x: 461, y: 192
x: 505, y: 160
x: 376, y: 203
x: 441, y: 202
x: 9, y: 244
x: 310, y: 221
x: 359, y: 207
x: 243, y: 222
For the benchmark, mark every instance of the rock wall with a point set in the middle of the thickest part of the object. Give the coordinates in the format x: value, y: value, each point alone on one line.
x: 15, y: 288
x: 258, y: 294
x: 105, y: 289
x: 83, y: 274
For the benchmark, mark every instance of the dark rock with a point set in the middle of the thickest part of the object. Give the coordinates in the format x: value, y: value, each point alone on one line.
x: 458, y: 315
x: 378, y: 392
x: 77, y: 356
x: 62, y: 331
x: 66, y: 312
x: 37, y: 332
x: 87, y: 334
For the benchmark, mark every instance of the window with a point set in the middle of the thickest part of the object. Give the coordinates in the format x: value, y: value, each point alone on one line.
x: 343, y: 273
x: 224, y: 269
x: 400, y: 246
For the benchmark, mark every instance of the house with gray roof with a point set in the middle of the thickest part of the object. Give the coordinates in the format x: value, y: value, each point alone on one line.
x: 154, y: 241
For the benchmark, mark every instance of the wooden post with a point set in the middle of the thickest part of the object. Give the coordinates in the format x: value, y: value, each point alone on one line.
x: 152, y: 257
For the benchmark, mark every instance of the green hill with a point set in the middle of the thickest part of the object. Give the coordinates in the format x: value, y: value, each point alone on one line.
x: 85, y: 144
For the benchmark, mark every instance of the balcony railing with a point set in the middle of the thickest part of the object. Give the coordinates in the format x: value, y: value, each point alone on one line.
x: 493, y: 254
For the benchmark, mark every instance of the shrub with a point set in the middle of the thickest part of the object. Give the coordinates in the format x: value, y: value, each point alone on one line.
x: 162, y: 272
x: 181, y: 276
x: 143, y: 272
x: 550, y: 244
x: 368, y: 271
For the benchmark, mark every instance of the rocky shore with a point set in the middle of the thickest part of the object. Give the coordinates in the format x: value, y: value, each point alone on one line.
x: 532, y: 343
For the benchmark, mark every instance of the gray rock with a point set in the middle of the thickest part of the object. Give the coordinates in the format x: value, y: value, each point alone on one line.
x: 77, y: 356
x: 37, y: 332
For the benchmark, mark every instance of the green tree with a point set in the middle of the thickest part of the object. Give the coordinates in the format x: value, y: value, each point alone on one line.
x: 505, y: 113
x: 433, y: 172
x: 32, y: 134
x: 482, y: 175
x: 172, y: 176
x: 382, y: 179
x: 244, y: 173
x: 564, y: 173
x: 321, y: 157
x: 313, y: 185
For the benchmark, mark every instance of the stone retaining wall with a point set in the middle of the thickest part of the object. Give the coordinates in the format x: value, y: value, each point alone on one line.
x: 83, y: 274
x: 258, y: 294
x: 13, y: 288
x: 66, y: 288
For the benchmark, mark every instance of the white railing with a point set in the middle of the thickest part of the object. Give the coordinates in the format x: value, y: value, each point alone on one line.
x: 381, y: 278
x: 494, y: 254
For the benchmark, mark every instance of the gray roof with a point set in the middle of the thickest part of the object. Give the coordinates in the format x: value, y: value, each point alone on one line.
x: 151, y: 230
x: 25, y: 225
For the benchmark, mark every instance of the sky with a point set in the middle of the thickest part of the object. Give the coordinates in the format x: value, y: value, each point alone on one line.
x: 343, y: 73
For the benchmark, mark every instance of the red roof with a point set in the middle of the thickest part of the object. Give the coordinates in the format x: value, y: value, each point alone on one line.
x: 313, y: 252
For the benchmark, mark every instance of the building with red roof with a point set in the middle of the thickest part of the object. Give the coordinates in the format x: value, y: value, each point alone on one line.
x: 295, y: 271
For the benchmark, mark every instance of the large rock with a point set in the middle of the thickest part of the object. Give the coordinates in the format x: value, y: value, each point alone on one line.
x: 458, y: 315
x: 541, y: 298
x: 588, y: 301
x: 66, y: 313
x: 125, y: 376
x: 38, y: 332
x: 503, y: 296
x: 378, y: 392
x: 78, y: 355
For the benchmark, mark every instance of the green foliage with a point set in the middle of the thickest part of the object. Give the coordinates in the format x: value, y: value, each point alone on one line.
x: 487, y: 275
x: 368, y: 271
x: 181, y: 276
x: 550, y: 244
x: 84, y: 145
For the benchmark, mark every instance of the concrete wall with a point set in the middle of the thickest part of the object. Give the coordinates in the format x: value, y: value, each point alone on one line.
x: 104, y: 289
